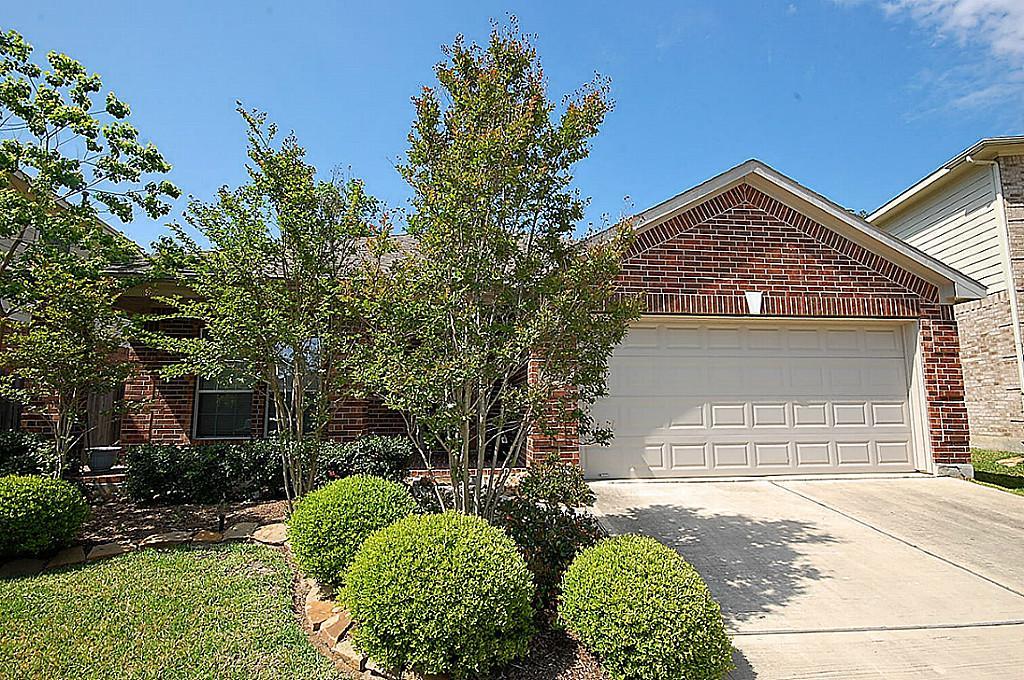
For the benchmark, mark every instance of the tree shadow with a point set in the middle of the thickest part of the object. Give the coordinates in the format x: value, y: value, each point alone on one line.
x: 753, y: 566
x: 1005, y: 481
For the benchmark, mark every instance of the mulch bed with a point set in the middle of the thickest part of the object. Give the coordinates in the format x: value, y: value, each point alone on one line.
x: 119, y: 521
x: 554, y: 656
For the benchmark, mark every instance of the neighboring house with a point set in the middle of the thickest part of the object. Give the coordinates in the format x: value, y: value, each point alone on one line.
x: 969, y: 214
x: 782, y: 335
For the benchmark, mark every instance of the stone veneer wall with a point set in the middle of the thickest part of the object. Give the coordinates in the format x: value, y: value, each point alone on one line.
x: 988, y: 353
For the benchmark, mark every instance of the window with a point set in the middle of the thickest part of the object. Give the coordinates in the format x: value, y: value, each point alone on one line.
x: 223, y: 410
x: 273, y: 423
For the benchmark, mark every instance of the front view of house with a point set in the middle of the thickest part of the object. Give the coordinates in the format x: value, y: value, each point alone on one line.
x: 782, y: 335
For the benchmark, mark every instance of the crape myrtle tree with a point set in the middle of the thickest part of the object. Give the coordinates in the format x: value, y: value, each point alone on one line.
x: 68, y: 157
x: 273, y: 289
x: 494, y: 284
x: 69, y: 349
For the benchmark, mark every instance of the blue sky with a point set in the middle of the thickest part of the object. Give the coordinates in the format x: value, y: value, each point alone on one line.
x: 854, y: 98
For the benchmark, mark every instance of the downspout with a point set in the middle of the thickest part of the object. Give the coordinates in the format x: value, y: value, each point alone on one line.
x: 1011, y: 287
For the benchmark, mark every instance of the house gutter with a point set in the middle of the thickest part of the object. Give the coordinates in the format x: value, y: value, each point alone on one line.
x: 1011, y: 287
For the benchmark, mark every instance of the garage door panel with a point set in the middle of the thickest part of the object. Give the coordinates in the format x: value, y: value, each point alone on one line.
x: 689, y: 457
x: 688, y: 414
x: 768, y: 455
x: 770, y: 415
x: 730, y: 455
x: 755, y: 398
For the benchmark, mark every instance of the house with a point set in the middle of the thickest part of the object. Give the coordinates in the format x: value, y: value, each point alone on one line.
x: 969, y: 214
x: 782, y: 334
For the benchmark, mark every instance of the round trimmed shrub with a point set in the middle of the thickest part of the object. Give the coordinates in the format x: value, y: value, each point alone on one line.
x: 329, y: 524
x: 437, y: 594
x: 38, y: 514
x: 645, y: 612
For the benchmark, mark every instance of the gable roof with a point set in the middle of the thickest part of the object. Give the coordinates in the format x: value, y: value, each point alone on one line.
x: 986, y: 149
x: 953, y: 286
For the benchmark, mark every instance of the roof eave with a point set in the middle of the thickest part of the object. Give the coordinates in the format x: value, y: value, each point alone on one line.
x: 986, y: 149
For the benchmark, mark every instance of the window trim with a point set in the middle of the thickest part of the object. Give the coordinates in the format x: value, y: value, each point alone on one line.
x: 195, y: 412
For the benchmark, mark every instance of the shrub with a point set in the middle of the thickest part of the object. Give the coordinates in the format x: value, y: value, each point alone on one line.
x: 441, y: 593
x: 376, y: 455
x: 38, y: 514
x: 25, y: 453
x: 208, y: 473
x: 557, y: 483
x: 549, y: 537
x: 329, y: 524
x: 645, y: 612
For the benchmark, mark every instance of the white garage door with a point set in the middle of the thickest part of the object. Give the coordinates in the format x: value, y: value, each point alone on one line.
x: 755, y: 398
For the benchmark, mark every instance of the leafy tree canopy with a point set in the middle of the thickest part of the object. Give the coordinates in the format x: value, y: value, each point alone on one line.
x: 274, y: 289
x: 493, y: 284
x: 68, y: 155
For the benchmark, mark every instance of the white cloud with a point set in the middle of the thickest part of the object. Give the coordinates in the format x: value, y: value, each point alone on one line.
x: 990, y: 34
x: 997, y: 24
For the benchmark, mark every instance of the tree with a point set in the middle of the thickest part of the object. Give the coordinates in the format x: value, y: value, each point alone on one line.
x: 69, y: 349
x: 65, y: 158
x: 68, y: 155
x: 494, y: 286
x: 274, y: 290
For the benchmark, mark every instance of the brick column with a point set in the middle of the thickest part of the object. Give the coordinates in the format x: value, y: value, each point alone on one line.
x: 944, y: 389
x: 561, y: 438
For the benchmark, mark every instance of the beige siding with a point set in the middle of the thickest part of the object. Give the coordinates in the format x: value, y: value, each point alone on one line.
x: 959, y: 226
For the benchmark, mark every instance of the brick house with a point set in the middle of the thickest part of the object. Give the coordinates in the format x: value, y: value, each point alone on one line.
x: 782, y: 334
x: 969, y: 213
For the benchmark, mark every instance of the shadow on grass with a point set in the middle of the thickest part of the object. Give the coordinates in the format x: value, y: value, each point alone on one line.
x: 1005, y: 481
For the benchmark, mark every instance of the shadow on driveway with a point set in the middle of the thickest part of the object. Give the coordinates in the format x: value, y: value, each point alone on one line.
x: 753, y: 566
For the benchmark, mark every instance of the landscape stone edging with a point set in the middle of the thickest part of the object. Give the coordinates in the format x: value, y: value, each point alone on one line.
x: 332, y: 624
x: 268, y: 534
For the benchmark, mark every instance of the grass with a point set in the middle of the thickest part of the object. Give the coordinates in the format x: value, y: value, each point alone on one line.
x: 193, y: 612
x: 989, y: 473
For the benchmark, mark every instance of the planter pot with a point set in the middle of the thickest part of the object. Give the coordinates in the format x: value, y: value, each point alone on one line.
x: 102, y: 458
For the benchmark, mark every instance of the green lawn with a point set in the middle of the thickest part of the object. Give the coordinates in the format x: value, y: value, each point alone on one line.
x: 204, y: 612
x: 989, y: 473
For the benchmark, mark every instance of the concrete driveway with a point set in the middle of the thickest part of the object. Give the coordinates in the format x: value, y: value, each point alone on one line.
x: 912, y: 577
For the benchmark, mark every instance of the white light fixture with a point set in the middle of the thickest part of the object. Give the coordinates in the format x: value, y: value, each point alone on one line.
x: 754, y: 301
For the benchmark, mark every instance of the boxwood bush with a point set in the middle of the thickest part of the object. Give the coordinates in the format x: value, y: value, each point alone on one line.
x: 38, y: 514
x: 206, y: 473
x: 378, y: 455
x: 329, y: 524
x: 437, y: 594
x: 645, y: 612
x: 25, y: 453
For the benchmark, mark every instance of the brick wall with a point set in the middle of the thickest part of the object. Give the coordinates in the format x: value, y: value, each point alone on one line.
x: 702, y: 262
x: 161, y: 410
x: 988, y: 352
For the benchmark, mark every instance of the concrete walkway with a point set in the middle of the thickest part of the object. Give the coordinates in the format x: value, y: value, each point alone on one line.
x: 912, y: 577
